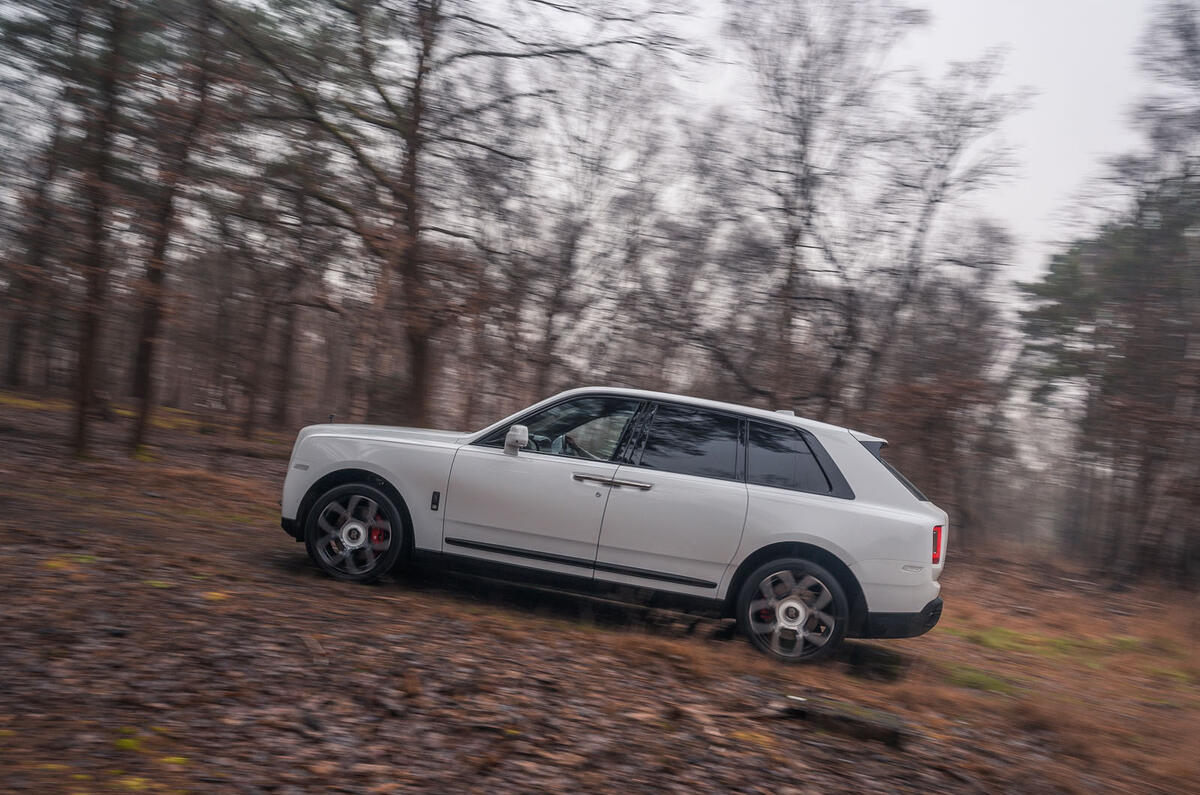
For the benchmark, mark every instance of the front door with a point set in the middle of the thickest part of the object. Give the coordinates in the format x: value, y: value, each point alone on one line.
x: 541, y: 508
x: 674, y: 520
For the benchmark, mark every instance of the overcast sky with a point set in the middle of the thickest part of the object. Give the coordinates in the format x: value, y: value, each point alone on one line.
x: 1078, y: 57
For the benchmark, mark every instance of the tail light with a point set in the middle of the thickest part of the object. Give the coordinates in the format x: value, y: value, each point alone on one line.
x: 937, y: 544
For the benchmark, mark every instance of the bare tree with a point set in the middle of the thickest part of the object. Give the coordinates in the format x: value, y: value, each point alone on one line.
x: 96, y: 194
x: 176, y: 120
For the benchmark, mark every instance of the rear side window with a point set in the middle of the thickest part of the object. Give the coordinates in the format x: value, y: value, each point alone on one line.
x: 692, y: 442
x: 781, y: 458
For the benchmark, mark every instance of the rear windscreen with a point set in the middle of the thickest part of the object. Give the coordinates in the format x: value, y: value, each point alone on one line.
x: 876, y: 449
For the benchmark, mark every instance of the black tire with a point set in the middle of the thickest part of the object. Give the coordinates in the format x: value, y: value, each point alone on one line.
x: 354, y: 532
x: 797, y: 623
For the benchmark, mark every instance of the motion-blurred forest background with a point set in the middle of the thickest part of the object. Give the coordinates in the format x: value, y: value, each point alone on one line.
x: 433, y: 212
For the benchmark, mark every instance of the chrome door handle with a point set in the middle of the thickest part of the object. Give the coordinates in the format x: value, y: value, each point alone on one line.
x: 583, y: 477
x: 633, y: 484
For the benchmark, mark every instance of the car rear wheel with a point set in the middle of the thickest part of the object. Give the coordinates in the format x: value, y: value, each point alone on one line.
x: 354, y: 532
x: 793, y: 610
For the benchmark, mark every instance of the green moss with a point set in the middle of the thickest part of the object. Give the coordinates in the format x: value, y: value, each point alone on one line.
x: 42, y: 404
x: 1126, y: 643
x: 1175, y: 675
x: 1080, y: 649
x: 128, y: 744
x: 1002, y: 639
x: 978, y: 679
x: 1166, y: 646
x: 135, y: 783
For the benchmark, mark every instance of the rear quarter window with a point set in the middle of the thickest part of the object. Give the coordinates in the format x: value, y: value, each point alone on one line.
x: 780, y: 457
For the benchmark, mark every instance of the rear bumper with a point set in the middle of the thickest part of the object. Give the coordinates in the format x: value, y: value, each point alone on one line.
x: 903, y: 625
x: 292, y: 528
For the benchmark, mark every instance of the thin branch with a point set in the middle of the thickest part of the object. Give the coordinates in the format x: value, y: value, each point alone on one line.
x: 498, y: 102
x: 309, y: 102
x: 367, y: 61
x: 582, y: 51
x: 477, y: 144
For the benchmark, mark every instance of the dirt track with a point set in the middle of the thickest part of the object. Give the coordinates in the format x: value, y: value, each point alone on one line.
x: 160, y: 632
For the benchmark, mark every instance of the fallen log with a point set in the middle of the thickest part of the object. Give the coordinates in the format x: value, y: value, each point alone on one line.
x: 843, y: 717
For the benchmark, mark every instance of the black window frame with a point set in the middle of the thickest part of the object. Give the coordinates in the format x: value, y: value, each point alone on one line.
x: 808, y: 440
x: 739, y: 455
x: 633, y: 441
x: 496, y: 438
x: 639, y: 430
x: 840, y: 487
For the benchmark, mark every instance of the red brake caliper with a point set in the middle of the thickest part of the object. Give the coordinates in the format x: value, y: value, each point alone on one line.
x: 377, y: 533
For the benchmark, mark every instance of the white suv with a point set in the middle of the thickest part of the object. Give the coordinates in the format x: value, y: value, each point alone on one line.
x: 797, y: 528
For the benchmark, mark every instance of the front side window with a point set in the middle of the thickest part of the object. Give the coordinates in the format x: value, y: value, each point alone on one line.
x: 587, y: 427
x: 692, y: 442
x: 781, y: 458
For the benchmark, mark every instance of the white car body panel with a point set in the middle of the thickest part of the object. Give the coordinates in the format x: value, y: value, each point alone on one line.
x: 686, y: 525
x: 531, y: 502
x: 690, y: 527
x: 414, y: 461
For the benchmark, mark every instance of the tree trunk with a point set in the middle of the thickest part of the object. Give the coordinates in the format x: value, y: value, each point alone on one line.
x: 364, y: 349
x: 170, y: 175
x: 877, y: 357
x: 287, y: 342
x: 18, y: 333
x: 283, y: 393
x: 417, y: 320
x: 95, y: 264
x: 545, y: 355
x: 254, y: 380
x: 27, y: 282
x: 420, y: 363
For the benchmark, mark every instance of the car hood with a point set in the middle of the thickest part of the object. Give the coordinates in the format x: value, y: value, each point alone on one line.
x: 385, y: 433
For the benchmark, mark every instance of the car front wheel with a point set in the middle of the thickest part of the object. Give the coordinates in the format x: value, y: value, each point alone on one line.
x: 354, y: 532
x: 793, y: 610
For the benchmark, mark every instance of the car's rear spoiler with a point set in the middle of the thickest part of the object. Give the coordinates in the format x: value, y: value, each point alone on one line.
x: 868, y: 439
x: 875, y: 445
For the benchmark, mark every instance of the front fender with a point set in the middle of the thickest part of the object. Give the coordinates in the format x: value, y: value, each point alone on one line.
x: 416, y: 469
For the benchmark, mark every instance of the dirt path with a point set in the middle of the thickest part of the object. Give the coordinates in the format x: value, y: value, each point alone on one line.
x: 160, y: 633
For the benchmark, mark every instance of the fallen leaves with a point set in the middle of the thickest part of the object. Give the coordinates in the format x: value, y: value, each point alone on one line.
x: 200, y: 655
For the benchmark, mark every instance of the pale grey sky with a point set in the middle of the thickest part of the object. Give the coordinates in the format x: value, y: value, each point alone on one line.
x: 1078, y: 56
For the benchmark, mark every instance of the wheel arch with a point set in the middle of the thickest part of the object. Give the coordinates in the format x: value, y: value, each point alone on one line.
x: 819, y: 555
x: 341, y: 477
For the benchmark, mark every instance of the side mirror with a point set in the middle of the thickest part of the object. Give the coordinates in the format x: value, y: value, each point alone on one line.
x: 518, y: 437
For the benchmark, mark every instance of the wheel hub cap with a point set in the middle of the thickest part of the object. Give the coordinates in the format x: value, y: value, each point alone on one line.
x: 353, y: 534
x: 791, y: 613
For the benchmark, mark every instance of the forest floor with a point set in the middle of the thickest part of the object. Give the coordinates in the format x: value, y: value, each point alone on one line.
x: 159, y: 632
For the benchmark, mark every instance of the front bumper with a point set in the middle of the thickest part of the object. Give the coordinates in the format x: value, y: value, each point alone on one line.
x: 903, y: 625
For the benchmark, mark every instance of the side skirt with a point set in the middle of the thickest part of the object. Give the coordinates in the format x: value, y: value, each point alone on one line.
x: 529, y: 576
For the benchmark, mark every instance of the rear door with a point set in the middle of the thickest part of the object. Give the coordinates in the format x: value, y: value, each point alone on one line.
x: 677, y: 508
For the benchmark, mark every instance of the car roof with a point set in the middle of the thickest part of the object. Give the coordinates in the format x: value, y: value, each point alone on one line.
x: 751, y: 411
